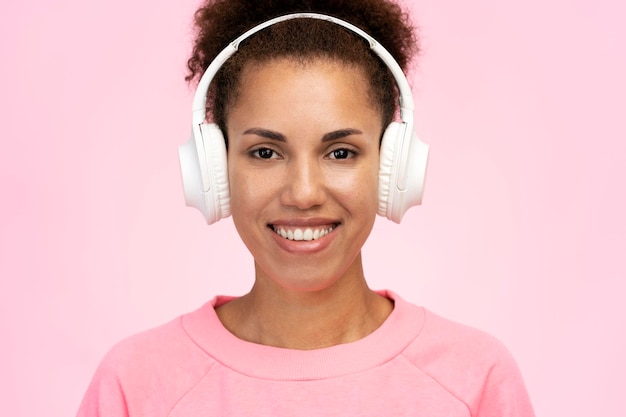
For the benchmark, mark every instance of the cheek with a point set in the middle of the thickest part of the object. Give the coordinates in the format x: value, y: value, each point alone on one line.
x: 249, y: 190
x: 245, y: 204
x: 241, y: 195
x: 239, y: 189
x: 358, y: 188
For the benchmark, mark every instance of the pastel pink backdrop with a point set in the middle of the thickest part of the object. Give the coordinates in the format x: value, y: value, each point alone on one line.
x: 522, y: 230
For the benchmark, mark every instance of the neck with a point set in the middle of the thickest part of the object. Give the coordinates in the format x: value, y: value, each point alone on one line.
x: 344, y: 312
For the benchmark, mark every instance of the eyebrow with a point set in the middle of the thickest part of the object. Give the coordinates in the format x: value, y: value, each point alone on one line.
x: 270, y: 134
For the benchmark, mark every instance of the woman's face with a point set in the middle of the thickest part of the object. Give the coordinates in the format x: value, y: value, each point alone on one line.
x: 303, y: 169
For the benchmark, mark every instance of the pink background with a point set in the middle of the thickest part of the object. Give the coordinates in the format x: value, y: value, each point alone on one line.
x: 522, y: 232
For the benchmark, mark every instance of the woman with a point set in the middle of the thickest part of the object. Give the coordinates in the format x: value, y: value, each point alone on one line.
x: 305, y: 108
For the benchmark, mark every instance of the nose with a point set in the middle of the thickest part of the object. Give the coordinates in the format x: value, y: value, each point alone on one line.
x: 304, y: 184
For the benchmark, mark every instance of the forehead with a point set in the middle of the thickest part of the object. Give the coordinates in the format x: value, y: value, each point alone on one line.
x: 299, y: 80
x: 283, y: 93
x: 302, y: 79
x: 303, y: 71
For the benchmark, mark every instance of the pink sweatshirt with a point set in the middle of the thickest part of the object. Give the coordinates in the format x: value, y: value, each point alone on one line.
x: 415, y: 364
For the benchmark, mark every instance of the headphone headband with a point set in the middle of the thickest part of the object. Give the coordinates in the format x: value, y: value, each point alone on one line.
x: 405, y: 96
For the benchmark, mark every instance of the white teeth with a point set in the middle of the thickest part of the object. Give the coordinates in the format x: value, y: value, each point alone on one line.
x: 302, y: 234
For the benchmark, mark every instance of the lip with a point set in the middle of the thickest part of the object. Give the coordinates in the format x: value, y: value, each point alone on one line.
x: 304, y: 246
x: 305, y: 222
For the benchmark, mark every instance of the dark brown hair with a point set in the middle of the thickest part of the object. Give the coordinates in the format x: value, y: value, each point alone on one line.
x: 219, y: 22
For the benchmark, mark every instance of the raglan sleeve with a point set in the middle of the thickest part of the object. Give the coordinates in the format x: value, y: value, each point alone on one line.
x: 504, y: 392
x: 105, y: 394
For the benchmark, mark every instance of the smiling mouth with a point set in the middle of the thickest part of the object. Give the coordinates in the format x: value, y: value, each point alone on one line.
x: 302, y: 233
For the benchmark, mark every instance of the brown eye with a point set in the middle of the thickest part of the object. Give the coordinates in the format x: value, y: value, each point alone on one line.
x: 264, y: 153
x: 341, y: 153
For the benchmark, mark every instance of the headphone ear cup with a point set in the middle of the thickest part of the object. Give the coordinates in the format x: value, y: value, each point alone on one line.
x: 386, y: 168
x: 204, y: 170
x: 402, y: 171
x: 218, y: 169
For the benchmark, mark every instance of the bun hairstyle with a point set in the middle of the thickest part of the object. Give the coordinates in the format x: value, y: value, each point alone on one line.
x: 219, y: 22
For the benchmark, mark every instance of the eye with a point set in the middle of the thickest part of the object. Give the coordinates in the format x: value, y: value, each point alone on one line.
x: 264, y: 153
x: 341, y: 153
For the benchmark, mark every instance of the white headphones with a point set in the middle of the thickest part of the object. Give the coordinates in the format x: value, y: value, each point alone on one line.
x: 403, y: 157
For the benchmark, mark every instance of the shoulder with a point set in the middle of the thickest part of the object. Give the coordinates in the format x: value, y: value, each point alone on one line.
x: 470, y: 364
x: 441, y: 337
x: 159, y: 364
x: 154, y: 351
x: 441, y: 342
x: 437, y: 338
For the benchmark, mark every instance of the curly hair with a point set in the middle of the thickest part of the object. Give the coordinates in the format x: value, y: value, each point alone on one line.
x: 219, y: 22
